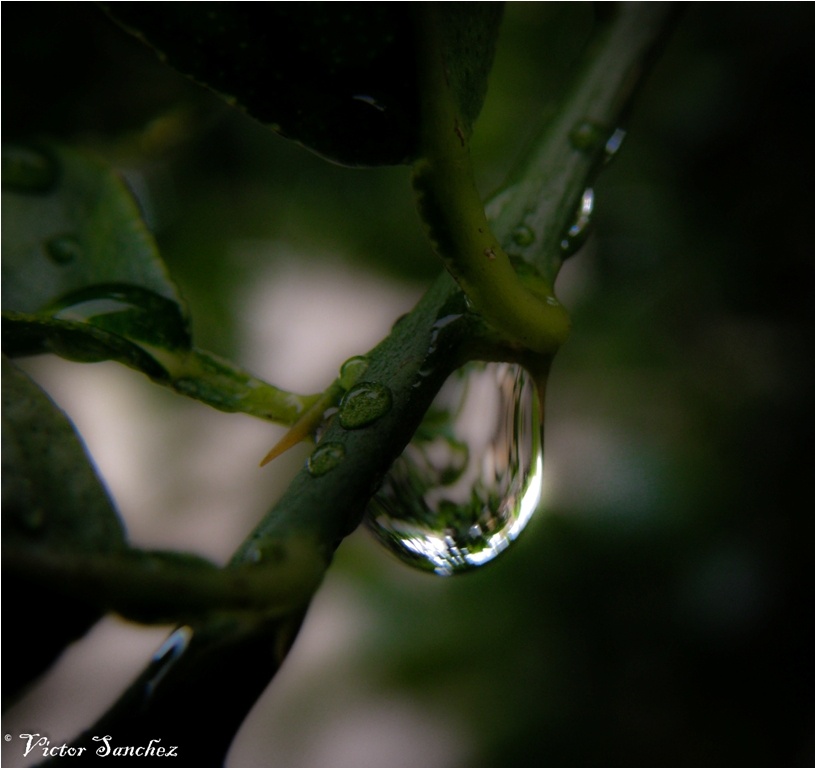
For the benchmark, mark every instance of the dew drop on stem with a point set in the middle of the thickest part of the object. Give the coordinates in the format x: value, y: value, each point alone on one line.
x: 469, y: 481
x: 326, y: 456
x: 587, y: 136
x: 364, y: 404
x: 351, y: 371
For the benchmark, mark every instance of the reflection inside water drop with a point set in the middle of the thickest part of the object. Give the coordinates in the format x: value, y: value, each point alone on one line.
x: 469, y: 481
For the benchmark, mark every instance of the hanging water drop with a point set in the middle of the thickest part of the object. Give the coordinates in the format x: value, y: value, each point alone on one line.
x: 326, y: 456
x: 26, y: 169
x: 578, y: 232
x: 468, y: 483
x: 63, y: 249
x: 363, y: 404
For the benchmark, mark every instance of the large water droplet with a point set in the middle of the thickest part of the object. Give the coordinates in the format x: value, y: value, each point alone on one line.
x: 363, y: 404
x: 469, y: 481
x: 129, y: 311
x: 326, y: 456
x: 578, y: 232
x: 26, y: 169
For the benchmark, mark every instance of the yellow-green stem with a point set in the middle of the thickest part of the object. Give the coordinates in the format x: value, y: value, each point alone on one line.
x: 454, y: 217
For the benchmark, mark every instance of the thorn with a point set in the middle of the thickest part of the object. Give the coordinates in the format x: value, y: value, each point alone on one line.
x: 306, y: 425
x: 299, y: 431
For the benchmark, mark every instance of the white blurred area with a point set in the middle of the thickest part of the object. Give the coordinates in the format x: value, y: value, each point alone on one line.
x: 185, y: 476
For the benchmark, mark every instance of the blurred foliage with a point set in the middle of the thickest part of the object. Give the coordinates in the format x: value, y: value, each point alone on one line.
x: 660, y: 612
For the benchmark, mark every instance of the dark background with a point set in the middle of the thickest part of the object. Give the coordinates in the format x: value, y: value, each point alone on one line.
x: 659, y: 611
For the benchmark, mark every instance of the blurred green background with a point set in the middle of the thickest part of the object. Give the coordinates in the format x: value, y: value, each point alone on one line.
x: 658, y: 612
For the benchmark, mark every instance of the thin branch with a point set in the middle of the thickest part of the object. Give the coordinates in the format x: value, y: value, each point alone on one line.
x: 202, y: 697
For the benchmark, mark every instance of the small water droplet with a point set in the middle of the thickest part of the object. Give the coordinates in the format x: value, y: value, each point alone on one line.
x: 363, y: 404
x: 166, y: 656
x: 326, y: 457
x: 351, y: 371
x: 578, y: 232
x: 63, y: 249
x: 470, y: 479
x: 523, y: 235
x: 26, y: 169
x: 588, y: 135
x: 613, y: 144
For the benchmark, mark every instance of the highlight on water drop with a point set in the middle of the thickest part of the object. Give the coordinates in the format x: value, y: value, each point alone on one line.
x: 577, y: 234
x: 615, y: 141
x: 468, y: 483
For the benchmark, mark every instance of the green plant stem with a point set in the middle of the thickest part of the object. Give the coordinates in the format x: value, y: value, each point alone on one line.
x: 192, y: 372
x: 229, y: 662
x: 453, y: 213
x: 155, y: 587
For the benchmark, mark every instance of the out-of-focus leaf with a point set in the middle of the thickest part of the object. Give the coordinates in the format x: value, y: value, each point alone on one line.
x: 70, y: 226
x: 339, y: 78
x: 77, y: 255
x: 52, y: 500
x: 82, y: 278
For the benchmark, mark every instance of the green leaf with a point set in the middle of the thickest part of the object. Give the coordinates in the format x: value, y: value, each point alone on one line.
x: 52, y: 500
x: 78, y: 226
x: 469, y: 35
x: 82, y: 278
x: 339, y: 78
x: 78, y: 259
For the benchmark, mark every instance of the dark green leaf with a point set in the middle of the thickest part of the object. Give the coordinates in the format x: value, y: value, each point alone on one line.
x: 469, y: 37
x: 82, y: 278
x: 52, y: 500
x: 70, y: 223
x: 339, y: 78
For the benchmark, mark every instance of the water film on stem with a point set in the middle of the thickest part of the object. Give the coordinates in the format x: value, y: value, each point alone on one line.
x: 468, y: 483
